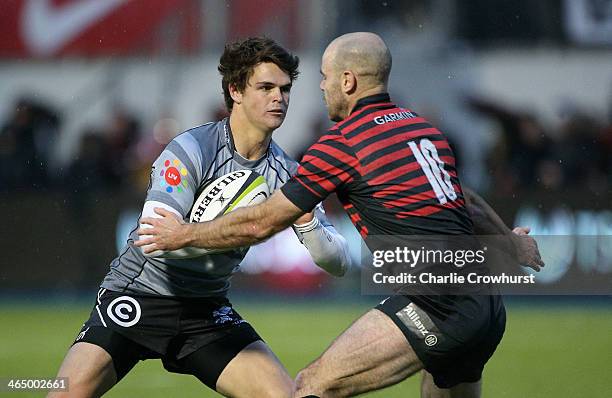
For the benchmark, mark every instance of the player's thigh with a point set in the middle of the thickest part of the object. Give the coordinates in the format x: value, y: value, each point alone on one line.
x: 255, y: 372
x: 89, y: 371
x: 462, y: 390
x: 372, y: 353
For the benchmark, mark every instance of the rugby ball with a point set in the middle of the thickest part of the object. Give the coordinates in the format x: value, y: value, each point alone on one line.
x: 231, y: 191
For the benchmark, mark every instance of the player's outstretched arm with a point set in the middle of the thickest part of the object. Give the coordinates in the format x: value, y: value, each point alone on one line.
x: 488, y: 222
x: 242, y: 227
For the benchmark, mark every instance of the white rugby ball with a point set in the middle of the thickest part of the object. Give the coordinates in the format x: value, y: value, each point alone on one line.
x: 233, y: 190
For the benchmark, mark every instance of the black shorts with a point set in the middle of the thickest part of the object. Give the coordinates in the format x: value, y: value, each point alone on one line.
x: 197, y: 336
x: 454, y: 336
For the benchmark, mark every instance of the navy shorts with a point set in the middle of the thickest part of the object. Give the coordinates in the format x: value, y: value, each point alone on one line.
x: 454, y: 336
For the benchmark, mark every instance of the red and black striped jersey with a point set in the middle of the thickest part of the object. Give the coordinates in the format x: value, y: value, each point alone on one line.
x: 392, y: 170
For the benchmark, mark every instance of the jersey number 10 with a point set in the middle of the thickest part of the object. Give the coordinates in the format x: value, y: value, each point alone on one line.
x: 433, y: 167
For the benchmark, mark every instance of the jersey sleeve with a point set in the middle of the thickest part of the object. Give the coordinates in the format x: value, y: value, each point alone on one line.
x: 326, y: 167
x: 176, y: 174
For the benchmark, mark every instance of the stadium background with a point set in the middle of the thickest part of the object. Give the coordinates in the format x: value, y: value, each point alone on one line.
x: 91, y: 91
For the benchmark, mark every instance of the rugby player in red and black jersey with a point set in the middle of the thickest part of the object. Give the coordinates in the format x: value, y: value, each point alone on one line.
x: 395, y: 175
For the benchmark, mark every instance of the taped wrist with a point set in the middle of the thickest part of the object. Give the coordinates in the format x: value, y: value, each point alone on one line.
x: 310, y: 226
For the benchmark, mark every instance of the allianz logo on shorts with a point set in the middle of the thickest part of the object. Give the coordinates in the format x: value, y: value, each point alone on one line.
x: 124, y: 311
x: 431, y: 340
x: 419, y: 323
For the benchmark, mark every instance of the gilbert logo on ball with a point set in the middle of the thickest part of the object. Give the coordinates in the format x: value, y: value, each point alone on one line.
x: 228, y: 192
x: 173, y: 174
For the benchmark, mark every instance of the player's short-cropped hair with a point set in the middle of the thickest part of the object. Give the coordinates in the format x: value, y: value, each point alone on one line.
x: 241, y: 57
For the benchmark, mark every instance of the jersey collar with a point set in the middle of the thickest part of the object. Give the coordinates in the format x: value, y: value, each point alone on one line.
x: 228, y: 136
x: 371, y: 99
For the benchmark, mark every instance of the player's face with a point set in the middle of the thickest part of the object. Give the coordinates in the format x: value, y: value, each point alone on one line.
x: 332, y: 93
x: 266, y: 97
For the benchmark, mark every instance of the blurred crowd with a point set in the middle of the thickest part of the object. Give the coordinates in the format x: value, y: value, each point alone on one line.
x: 528, y: 155
x: 113, y: 155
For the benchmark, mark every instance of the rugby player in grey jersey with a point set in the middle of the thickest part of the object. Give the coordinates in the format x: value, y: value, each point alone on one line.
x: 174, y: 306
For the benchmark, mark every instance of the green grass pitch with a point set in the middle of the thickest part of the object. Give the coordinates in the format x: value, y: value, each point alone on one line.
x: 547, y: 351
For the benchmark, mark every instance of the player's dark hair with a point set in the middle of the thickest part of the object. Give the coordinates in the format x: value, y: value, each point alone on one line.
x: 241, y: 57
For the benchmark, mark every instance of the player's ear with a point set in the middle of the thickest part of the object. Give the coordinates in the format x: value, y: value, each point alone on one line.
x: 349, y: 82
x: 235, y: 93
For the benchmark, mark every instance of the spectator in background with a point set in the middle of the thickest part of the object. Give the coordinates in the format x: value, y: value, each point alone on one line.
x: 123, y: 133
x: 26, y: 145
x: 583, y: 153
x: 91, y: 169
x: 523, y: 146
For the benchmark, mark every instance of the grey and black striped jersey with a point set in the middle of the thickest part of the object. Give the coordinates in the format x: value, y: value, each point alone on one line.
x: 191, y: 161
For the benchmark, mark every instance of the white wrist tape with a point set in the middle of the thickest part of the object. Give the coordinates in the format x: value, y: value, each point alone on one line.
x: 301, y: 229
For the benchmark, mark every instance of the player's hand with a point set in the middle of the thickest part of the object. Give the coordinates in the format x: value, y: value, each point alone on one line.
x: 527, y: 249
x: 166, y: 233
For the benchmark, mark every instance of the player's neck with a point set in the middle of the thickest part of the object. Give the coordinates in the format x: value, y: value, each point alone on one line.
x: 249, y: 141
x: 380, y: 89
